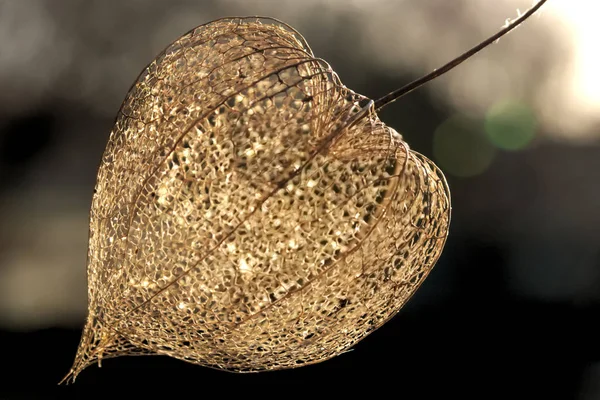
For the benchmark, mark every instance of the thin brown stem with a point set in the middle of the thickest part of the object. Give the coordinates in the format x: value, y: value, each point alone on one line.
x: 396, y: 94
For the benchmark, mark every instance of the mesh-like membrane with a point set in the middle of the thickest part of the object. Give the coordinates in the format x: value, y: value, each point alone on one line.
x: 250, y: 212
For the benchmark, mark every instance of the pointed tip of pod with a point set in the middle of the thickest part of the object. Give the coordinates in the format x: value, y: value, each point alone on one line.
x: 95, y: 340
x: 69, y: 378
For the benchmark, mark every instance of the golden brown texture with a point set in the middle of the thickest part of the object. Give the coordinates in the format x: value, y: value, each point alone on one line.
x: 252, y: 213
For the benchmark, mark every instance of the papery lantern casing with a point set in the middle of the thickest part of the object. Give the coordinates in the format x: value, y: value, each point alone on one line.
x: 251, y: 213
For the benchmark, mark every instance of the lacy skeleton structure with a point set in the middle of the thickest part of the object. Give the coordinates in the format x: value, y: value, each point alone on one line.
x: 251, y: 212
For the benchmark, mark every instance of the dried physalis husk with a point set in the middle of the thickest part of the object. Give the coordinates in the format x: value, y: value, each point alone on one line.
x: 251, y: 213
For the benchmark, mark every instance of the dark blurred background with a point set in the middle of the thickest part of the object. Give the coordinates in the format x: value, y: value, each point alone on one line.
x: 511, y: 307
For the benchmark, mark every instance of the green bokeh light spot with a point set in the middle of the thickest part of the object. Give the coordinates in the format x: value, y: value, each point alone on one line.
x: 461, y: 147
x: 510, y: 125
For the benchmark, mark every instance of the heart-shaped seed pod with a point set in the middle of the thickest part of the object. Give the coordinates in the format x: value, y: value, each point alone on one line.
x: 252, y: 213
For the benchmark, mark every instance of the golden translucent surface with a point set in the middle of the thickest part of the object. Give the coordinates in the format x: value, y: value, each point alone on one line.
x: 251, y: 213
